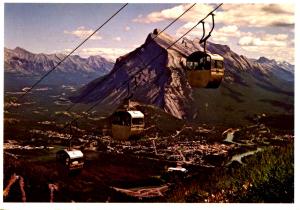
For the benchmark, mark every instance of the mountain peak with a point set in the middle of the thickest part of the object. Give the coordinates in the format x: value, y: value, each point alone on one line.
x: 164, y: 39
x: 21, y: 50
x: 218, y: 48
x: 263, y: 59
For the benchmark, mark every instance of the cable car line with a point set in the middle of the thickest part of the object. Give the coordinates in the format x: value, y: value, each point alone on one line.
x: 153, y: 59
x: 169, y: 46
x: 162, y: 53
x: 156, y: 35
x: 70, y: 53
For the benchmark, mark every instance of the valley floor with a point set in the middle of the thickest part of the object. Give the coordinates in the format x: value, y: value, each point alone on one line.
x: 223, y: 165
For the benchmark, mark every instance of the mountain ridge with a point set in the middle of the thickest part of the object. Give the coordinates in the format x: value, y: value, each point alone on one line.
x: 22, y: 61
x: 163, y: 83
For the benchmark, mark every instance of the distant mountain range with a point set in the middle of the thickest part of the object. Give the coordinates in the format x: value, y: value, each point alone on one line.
x: 249, y: 87
x: 283, y: 69
x: 20, y: 63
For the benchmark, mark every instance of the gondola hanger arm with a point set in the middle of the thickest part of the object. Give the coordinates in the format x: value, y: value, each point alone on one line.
x: 203, y: 29
x: 204, y: 39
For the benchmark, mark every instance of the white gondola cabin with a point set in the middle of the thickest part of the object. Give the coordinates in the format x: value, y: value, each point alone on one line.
x: 71, y: 159
x: 126, y: 124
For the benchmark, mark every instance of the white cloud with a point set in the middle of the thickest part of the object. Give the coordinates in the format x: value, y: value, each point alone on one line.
x: 251, y: 15
x: 274, y: 46
x: 117, y: 38
x: 272, y: 40
x: 136, y: 45
x: 82, y: 33
x: 199, y: 10
x: 279, y: 37
x: 196, y: 33
x: 221, y: 35
x: 257, y: 15
x: 109, y: 53
x: 220, y: 39
x: 236, y: 18
x: 271, y: 52
x: 230, y: 30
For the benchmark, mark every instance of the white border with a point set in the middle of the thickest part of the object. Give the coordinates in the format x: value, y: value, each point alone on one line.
x: 81, y: 206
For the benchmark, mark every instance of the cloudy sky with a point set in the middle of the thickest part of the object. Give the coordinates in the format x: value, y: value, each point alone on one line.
x: 252, y: 30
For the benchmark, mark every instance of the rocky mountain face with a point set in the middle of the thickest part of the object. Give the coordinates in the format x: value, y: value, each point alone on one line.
x: 22, y: 63
x: 283, y: 69
x: 249, y: 86
x: 159, y: 83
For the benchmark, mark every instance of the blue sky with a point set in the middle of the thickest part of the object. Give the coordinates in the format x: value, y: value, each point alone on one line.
x: 267, y: 31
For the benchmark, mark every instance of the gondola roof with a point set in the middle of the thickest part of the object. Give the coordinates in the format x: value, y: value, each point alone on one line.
x: 73, y: 153
x: 136, y: 114
x: 199, y: 54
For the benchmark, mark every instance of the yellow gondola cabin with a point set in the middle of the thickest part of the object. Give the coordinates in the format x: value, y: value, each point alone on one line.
x: 205, y: 70
x: 126, y: 124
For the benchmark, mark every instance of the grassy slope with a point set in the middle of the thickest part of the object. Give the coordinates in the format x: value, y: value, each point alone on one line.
x: 232, y: 103
x: 267, y: 176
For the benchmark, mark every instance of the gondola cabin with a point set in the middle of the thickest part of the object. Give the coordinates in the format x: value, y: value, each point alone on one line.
x: 71, y: 159
x: 205, y: 70
x: 126, y: 124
